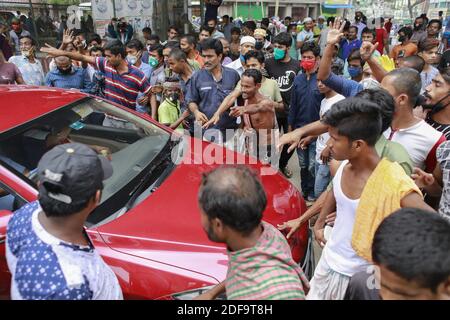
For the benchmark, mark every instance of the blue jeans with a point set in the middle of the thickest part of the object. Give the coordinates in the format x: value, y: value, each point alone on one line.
x: 307, y: 161
x: 322, y: 179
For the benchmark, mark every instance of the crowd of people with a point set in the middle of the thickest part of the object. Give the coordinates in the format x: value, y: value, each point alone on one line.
x: 370, y: 138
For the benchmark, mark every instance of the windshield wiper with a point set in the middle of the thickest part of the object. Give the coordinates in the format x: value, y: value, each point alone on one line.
x: 163, y: 156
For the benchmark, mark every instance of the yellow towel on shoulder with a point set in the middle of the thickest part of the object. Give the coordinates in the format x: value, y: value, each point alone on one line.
x: 381, y: 196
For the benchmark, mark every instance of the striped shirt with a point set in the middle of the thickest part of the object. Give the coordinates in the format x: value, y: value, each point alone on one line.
x: 444, y: 128
x: 265, y: 271
x: 122, y: 88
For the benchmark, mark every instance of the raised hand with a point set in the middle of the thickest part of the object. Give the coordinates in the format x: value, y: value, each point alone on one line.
x: 336, y: 33
x: 421, y: 178
x: 68, y: 37
x: 367, y: 49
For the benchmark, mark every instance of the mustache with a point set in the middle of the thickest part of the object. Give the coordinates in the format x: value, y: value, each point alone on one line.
x: 426, y: 95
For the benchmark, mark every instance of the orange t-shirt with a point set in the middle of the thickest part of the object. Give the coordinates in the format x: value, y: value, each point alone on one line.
x: 409, y: 49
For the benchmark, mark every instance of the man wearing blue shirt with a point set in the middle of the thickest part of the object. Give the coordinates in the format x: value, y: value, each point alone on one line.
x: 348, y: 45
x: 305, y: 107
x: 68, y: 76
x: 209, y: 87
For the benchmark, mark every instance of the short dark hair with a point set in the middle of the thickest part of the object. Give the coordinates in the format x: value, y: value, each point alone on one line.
x: 407, y: 81
x: 147, y: 30
x: 435, y: 21
x: 212, y: 44
x: 172, y: 44
x: 253, y: 73
x: 135, y: 44
x: 384, y: 100
x: 355, y: 54
x: 116, y: 47
x: 311, y: 46
x: 33, y: 42
x: 226, y: 16
x: 353, y: 27
x: 283, y: 38
x: 94, y: 37
x: 178, y: 54
x: 428, y: 44
x: 414, y: 244
x: 207, y: 29
x: 235, y: 30
x: 212, y: 19
x: 288, y: 18
x: 265, y: 21
x: 235, y: 195
x: 56, y: 208
x: 154, y: 37
x: 97, y: 48
x: 191, y: 40
x: 258, y: 55
x: 173, y: 27
x: 407, y: 31
x: 158, y: 48
x: 445, y: 73
x: 250, y: 25
x: 371, y: 31
x: 355, y: 118
x: 416, y: 62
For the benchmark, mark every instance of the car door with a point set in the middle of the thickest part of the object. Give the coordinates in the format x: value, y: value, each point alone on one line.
x: 9, y: 201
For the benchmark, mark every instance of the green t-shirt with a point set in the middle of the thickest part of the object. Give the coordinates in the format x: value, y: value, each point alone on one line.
x: 269, y: 88
x: 168, y: 113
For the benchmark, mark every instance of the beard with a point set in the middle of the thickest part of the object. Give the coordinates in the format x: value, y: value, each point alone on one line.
x: 211, y: 235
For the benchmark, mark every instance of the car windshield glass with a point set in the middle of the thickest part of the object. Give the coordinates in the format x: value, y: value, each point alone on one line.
x: 132, y: 144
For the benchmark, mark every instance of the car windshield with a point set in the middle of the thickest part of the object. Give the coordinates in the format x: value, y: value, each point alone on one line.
x: 138, y: 149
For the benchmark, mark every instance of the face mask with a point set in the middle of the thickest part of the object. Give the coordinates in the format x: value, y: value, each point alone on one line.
x: 65, y: 71
x: 438, y: 106
x: 279, y: 54
x: 131, y: 59
x: 401, y: 39
x: 153, y: 62
x: 26, y: 53
x: 308, y: 64
x: 174, y: 97
x: 259, y: 45
x: 354, y: 71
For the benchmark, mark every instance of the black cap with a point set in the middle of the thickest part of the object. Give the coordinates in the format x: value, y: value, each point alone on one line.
x: 71, y: 172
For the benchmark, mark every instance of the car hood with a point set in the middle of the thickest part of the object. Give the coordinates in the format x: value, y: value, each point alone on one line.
x: 166, y: 226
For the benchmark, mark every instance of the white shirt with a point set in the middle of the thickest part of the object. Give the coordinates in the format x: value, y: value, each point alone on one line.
x: 325, y: 105
x: 338, y: 251
x: 236, y: 65
x: 420, y: 140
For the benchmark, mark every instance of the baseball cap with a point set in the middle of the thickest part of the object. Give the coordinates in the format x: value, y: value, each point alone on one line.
x: 248, y: 39
x: 71, y: 172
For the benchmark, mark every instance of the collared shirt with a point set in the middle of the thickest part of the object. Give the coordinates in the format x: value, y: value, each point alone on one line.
x: 32, y: 73
x: 44, y: 267
x: 346, y: 47
x: 208, y: 93
x: 265, y: 271
x: 305, y: 101
x: 77, y: 79
x: 307, y: 36
x: 123, y: 88
x: 237, y: 65
x: 147, y: 70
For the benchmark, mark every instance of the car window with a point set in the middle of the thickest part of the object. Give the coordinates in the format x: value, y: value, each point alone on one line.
x: 132, y: 144
x: 9, y: 200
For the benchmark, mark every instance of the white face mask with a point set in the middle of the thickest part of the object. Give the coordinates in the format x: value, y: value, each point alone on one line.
x: 131, y: 59
x: 26, y: 53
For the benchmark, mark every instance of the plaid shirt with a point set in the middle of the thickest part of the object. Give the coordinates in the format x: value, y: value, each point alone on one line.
x: 265, y: 271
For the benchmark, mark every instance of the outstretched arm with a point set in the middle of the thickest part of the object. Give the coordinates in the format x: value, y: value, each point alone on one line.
x: 334, y: 37
x: 53, y: 52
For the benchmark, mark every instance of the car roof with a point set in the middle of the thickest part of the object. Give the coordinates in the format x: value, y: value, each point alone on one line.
x: 20, y: 104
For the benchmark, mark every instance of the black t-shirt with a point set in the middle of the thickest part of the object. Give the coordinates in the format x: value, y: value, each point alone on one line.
x: 211, y: 9
x: 284, y: 73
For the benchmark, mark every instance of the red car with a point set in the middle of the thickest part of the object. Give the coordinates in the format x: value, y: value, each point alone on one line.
x: 147, y: 227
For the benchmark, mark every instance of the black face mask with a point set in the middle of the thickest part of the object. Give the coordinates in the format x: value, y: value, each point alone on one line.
x: 65, y: 71
x: 174, y: 97
x: 438, y: 106
x: 259, y: 45
x: 402, y: 39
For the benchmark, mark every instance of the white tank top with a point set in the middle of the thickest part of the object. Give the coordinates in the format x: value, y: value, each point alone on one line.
x: 338, y: 251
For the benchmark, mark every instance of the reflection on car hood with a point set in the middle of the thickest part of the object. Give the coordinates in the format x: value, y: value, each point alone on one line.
x: 166, y: 226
